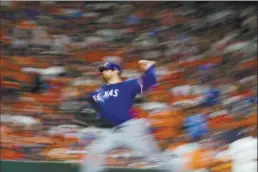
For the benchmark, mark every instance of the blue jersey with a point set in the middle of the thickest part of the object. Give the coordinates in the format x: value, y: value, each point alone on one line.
x: 114, y: 101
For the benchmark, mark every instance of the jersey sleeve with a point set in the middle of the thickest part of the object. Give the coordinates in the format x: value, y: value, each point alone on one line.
x: 145, y: 82
x: 136, y: 87
x: 148, y: 79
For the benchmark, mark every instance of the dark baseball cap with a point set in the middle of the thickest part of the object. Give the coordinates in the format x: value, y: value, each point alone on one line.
x: 110, y: 66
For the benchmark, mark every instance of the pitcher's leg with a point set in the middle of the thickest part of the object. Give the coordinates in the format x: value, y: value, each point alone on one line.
x: 137, y: 136
x: 148, y: 148
x: 95, y: 159
x: 140, y: 133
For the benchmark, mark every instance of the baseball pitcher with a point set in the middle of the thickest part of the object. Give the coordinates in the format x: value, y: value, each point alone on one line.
x: 113, y: 101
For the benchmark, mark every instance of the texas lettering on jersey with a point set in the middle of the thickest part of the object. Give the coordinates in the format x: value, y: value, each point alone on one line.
x: 104, y: 95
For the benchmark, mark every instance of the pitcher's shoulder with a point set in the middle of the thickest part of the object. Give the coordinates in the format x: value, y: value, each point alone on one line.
x: 131, y: 81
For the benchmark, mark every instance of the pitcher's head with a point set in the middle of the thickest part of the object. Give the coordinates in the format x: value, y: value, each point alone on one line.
x: 110, y: 71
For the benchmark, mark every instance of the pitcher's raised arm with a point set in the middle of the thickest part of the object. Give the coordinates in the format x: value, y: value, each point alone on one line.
x: 147, y: 80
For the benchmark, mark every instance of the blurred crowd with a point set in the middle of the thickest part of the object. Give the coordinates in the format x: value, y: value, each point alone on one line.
x: 203, y: 112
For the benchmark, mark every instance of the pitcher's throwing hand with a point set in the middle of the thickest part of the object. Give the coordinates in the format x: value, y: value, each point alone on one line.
x: 145, y: 64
